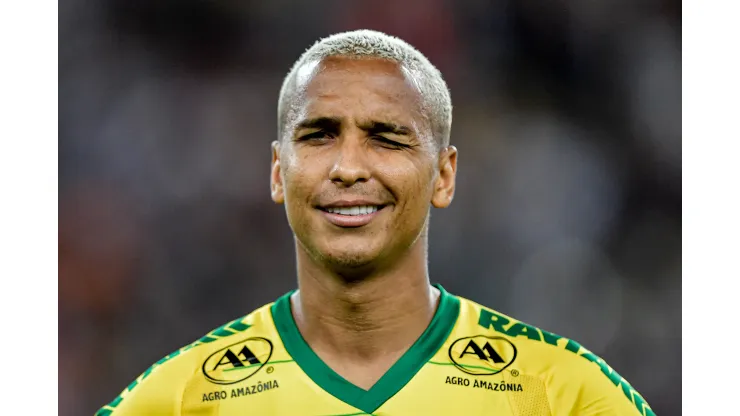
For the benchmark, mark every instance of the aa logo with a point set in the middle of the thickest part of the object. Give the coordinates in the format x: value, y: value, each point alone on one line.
x: 237, y: 362
x: 481, y: 355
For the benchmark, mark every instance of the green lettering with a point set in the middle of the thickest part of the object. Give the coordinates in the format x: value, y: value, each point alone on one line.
x: 615, y: 378
x: 573, y: 346
x: 519, y: 328
x: 596, y: 360
x: 618, y: 381
x: 550, y: 338
x: 489, y: 319
x: 492, y: 320
x: 590, y: 356
x: 612, y: 375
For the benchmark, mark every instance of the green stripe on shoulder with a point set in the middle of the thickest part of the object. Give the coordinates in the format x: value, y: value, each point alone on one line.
x: 491, y: 320
x: 103, y: 412
x: 234, y: 327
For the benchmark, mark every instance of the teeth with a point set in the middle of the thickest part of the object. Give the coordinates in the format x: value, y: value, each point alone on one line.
x: 363, y: 210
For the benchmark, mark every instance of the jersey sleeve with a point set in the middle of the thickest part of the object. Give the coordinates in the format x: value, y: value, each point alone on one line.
x: 604, y: 392
x: 157, y: 392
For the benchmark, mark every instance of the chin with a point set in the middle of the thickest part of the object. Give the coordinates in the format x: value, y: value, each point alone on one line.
x: 347, y: 255
x: 349, y: 259
x: 350, y: 263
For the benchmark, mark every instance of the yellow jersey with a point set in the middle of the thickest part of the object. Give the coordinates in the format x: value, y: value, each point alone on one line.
x: 471, y: 360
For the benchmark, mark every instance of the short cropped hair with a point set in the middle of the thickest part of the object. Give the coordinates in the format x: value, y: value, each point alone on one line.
x: 436, y: 101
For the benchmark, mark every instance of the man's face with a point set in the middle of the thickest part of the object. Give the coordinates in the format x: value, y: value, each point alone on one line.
x: 357, y: 167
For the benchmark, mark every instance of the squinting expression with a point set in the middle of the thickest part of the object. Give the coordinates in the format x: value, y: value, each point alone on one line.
x: 358, y: 167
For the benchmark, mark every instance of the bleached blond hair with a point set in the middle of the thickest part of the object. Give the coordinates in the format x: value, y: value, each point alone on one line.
x: 436, y: 101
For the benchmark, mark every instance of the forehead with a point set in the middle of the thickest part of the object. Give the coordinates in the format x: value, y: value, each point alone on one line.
x: 364, y: 88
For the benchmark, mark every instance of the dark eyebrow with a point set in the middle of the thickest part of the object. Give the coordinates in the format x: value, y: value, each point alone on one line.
x: 372, y: 127
x: 322, y: 123
x: 376, y: 127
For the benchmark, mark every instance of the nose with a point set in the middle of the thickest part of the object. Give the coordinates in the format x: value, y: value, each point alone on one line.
x: 351, y: 163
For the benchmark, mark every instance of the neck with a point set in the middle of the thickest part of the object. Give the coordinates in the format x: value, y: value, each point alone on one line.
x: 373, y: 320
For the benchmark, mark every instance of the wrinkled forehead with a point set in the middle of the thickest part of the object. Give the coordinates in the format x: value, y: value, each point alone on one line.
x: 382, y: 88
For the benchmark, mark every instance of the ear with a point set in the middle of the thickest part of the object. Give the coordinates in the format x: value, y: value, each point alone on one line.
x: 276, y: 179
x: 444, y: 185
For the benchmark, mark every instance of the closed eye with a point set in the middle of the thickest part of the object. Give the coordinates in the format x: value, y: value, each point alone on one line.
x: 318, y: 135
x: 388, y: 143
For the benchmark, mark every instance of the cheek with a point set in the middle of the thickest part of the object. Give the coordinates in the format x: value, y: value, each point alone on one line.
x: 301, y: 177
x: 294, y: 180
x: 410, y: 182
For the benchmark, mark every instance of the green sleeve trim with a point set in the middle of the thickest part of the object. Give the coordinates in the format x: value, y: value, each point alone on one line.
x: 502, y: 324
x: 234, y: 327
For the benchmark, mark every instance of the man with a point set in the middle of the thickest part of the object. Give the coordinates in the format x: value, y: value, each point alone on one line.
x: 362, y: 152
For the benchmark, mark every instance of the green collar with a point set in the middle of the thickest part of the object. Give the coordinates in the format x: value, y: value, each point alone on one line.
x: 393, y: 380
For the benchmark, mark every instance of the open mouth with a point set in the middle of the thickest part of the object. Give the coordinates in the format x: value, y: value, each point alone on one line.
x: 353, y: 211
x: 352, y: 216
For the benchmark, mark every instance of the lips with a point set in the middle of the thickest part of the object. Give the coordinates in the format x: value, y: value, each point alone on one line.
x: 349, y: 215
x: 353, y: 211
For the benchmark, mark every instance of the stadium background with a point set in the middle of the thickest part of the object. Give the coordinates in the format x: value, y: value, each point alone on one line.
x: 567, y: 213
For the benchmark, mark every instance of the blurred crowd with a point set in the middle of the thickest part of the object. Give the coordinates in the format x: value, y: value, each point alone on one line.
x: 567, y: 116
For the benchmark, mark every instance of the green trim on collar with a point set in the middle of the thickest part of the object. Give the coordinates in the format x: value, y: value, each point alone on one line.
x: 393, y: 380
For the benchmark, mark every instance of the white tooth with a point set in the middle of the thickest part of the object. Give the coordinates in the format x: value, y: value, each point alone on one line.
x: 359, y: 210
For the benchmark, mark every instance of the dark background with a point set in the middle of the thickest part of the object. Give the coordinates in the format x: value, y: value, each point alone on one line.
x: 567, y: 214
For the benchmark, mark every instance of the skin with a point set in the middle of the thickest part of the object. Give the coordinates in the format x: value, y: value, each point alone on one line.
x: 364, y: 294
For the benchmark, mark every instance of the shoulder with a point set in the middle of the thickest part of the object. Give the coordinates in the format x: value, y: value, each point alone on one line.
x: 162, y: 387
x: 575, y: 378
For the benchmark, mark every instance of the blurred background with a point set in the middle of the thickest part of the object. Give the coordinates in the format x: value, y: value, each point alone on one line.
x: 567, y: 213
